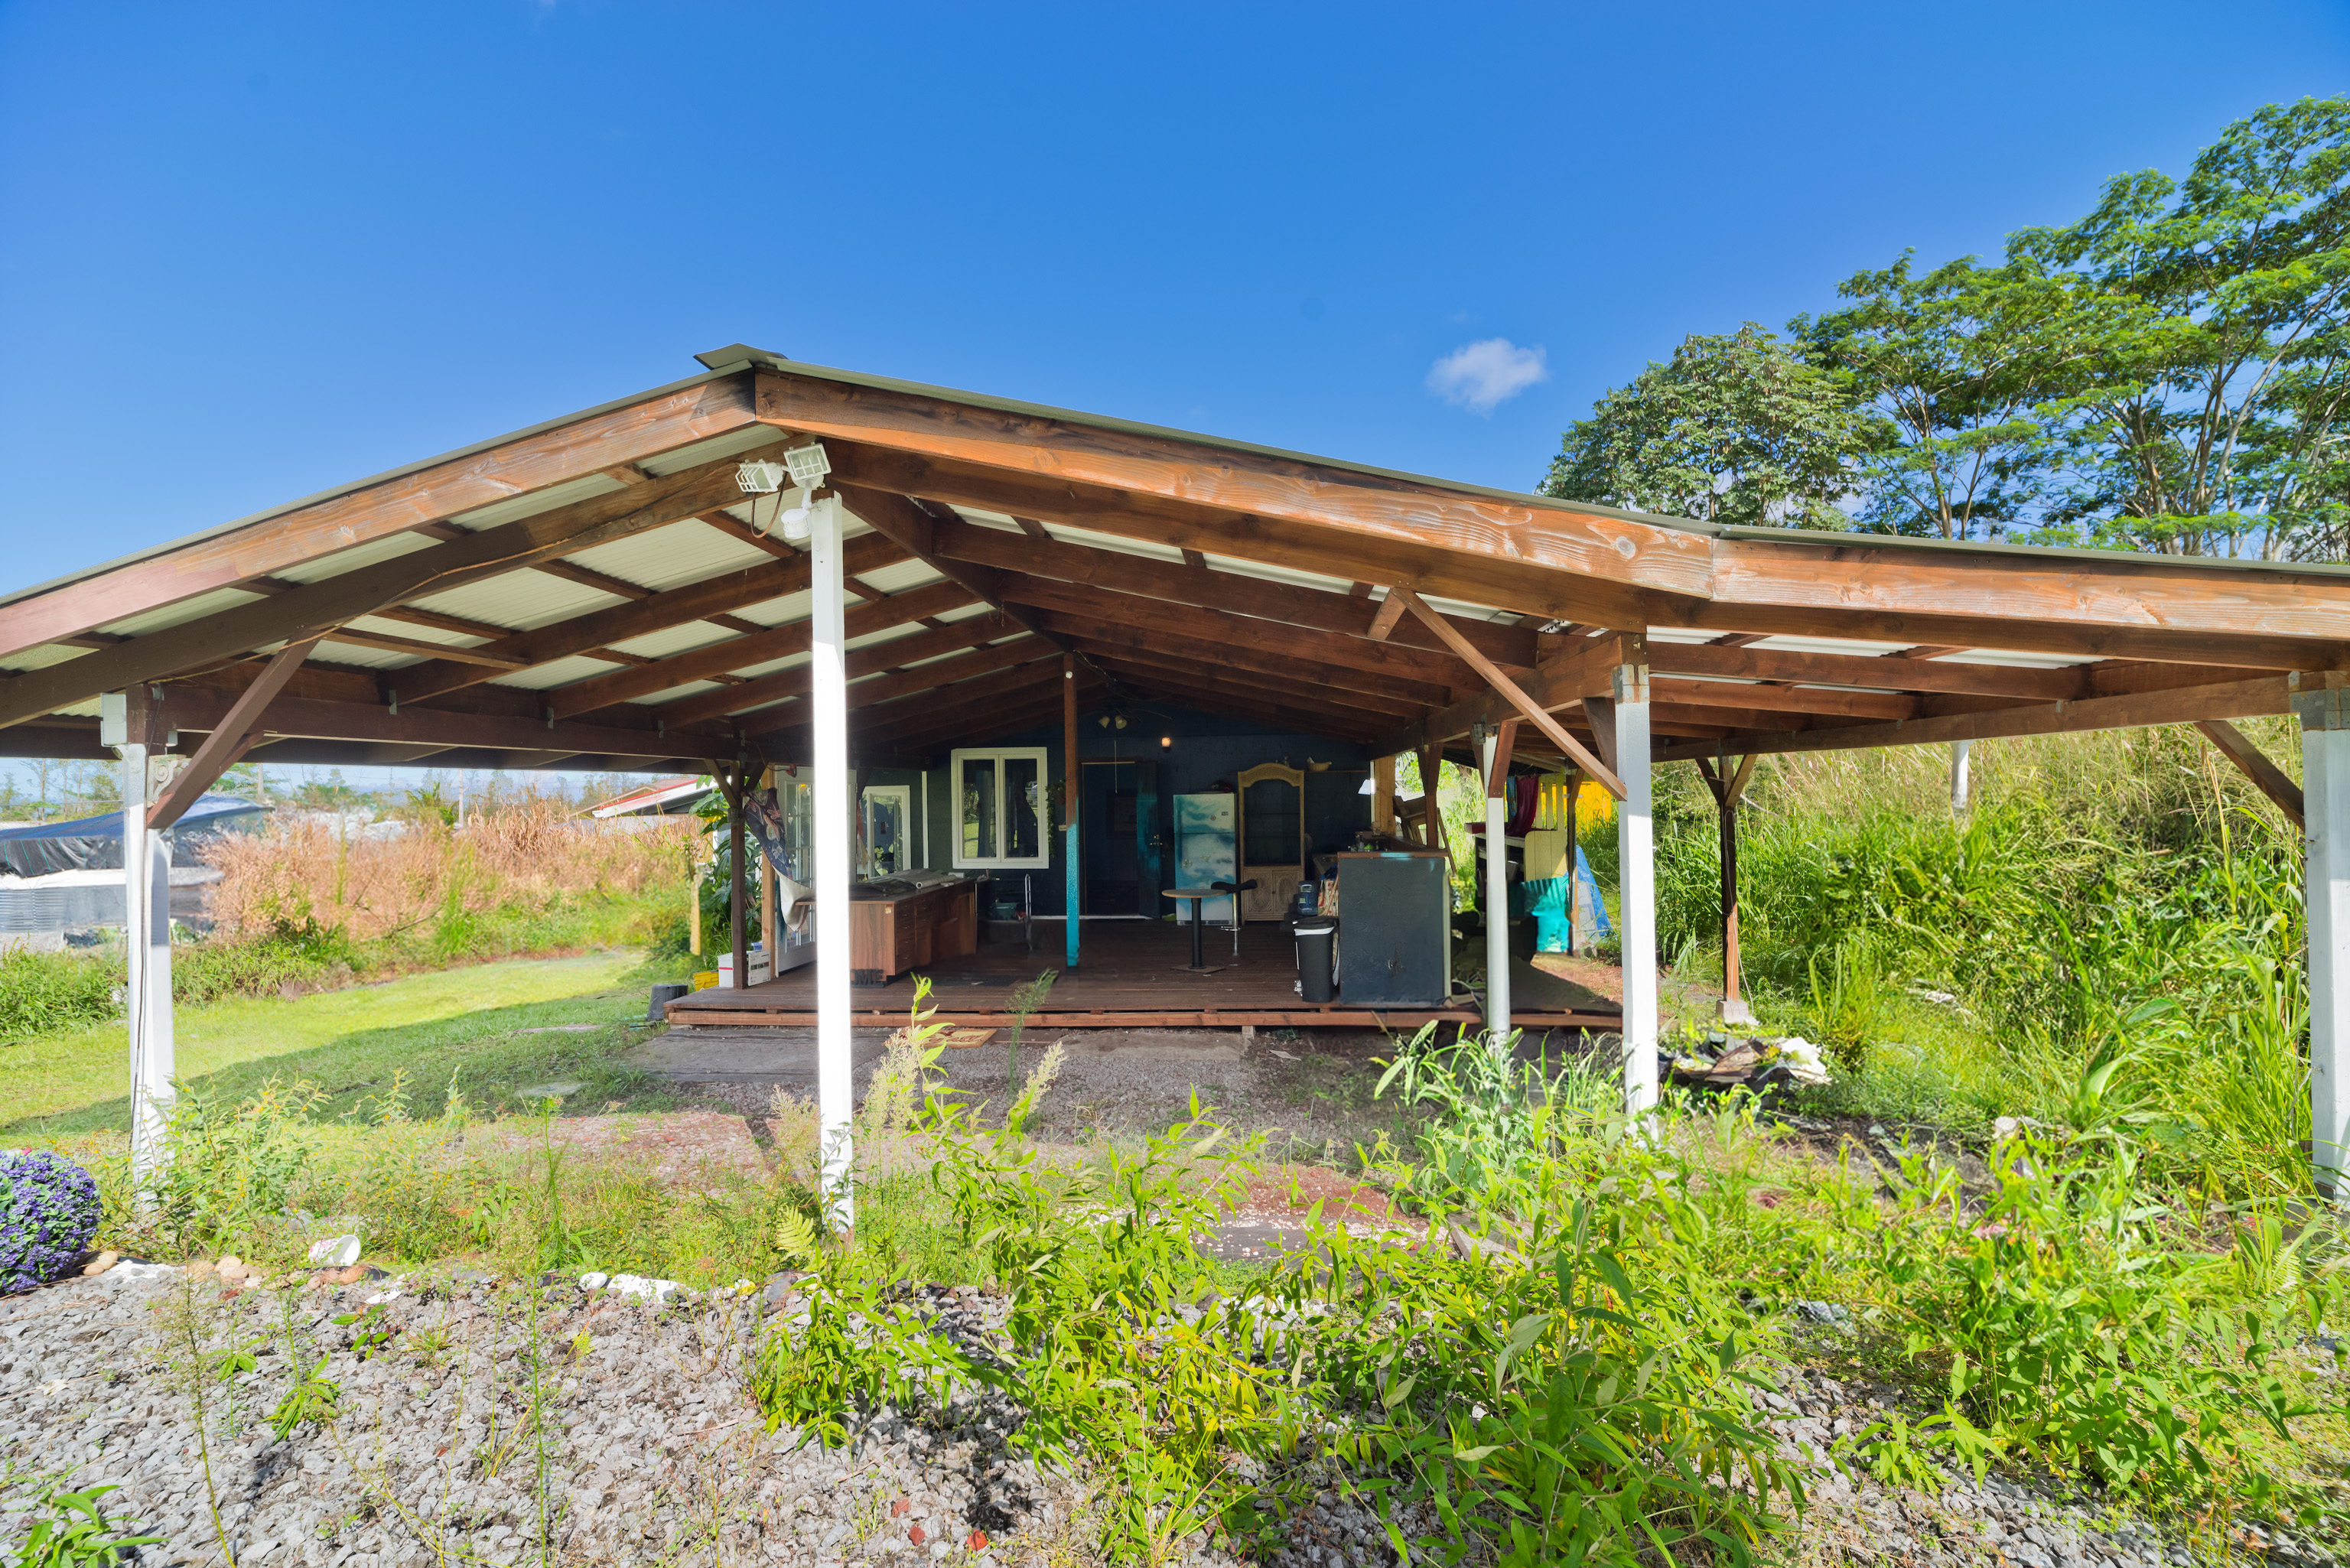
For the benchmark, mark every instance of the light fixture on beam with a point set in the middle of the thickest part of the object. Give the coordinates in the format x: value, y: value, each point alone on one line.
x: 805, y: 466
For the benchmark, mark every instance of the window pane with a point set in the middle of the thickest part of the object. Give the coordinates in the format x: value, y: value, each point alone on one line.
x: 1024, y: 802
x: 979, y: 808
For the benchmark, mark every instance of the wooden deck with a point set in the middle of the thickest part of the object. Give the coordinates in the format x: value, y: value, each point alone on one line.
x: 1129, y: 976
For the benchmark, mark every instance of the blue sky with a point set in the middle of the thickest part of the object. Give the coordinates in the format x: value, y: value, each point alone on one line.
x: 249, y: 251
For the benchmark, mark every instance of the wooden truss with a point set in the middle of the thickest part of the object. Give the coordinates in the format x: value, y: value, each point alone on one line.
x: 1397, y: 613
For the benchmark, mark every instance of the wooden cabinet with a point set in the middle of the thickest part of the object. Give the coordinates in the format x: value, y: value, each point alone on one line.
x: 888, y: 936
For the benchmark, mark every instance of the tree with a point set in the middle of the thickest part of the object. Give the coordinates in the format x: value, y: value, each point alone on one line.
x: 2207, y: 419
x: 1953, y: 365
x: 1734, y: 429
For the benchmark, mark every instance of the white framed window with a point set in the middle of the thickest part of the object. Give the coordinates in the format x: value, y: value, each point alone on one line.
x: 1001, y: 808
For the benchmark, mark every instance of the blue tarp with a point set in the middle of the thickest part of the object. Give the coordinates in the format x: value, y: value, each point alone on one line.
x: 95, y: 843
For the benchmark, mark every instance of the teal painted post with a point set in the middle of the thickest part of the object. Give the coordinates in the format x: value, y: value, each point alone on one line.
x: 1072, y: 852
x: 1072, y: 779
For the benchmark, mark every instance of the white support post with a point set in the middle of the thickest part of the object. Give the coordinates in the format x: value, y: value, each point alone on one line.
x: 1497, y: 900
x: 2325, y: 797
x: 832, y: 851
x: 1962, y: 774
x: 128, y: 722
x: 1637, y: 921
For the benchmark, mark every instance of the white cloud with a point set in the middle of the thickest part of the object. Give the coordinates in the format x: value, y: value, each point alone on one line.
x: 1482, y: 376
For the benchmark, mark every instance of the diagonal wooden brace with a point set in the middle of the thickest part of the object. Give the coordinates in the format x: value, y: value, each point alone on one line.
x: 239, y: 728
x: 1576, y: 751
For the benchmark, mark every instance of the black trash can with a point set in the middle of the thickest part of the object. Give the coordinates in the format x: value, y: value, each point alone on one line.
x: 657, y: 1011
x: 1316, y: 947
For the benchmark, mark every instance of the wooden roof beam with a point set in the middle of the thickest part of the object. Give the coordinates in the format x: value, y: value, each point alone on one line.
x: 1610, y: 554
x: 333, y: 601
x: 1303, y: 693
x: 533, y: 461
x: 736, y: 653
x: 904, y: 520
x: 1510, y: 647
x: 2177, y: 705
x: 587, y: 635
x: 1319, y: 544
x: 197, y: 707
x: 760, y: 694
x: 1417, y: 666
x: 1200, y: 645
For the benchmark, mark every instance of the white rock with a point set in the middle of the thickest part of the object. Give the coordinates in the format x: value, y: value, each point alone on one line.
x: 594, y: 1282
x: 133, y: 1274
x: 335, y: 1252
x: 657, y: 1291
x: 1802, y: 1059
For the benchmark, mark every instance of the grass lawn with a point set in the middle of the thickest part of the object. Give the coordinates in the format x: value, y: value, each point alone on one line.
x: 421, y: 1031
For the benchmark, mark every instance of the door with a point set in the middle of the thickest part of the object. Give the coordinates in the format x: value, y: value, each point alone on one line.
x: 889, y: 828
x: 1149, y: 842
x: 786, y: 832
x: 1110, y: 843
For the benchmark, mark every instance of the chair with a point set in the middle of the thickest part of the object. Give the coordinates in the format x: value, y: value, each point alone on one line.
x: 1236, y: 889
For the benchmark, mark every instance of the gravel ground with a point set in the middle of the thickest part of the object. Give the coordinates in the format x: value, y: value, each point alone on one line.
x: 653, y: 1451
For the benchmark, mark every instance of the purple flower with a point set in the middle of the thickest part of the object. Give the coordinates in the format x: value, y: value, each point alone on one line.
x: 48, y: 1211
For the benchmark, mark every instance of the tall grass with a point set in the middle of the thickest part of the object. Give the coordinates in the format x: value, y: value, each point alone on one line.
x: 2122, y: 895
x: 302, y: 906
x: 438, y: 879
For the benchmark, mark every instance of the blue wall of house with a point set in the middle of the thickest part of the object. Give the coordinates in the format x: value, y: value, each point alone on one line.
x: 1206, y: 751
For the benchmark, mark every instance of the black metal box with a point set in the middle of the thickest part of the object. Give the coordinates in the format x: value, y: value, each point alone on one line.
x: 1394, y: 930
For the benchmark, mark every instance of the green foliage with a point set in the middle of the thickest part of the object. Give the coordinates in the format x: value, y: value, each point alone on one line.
x: 2073, y: 1323
x: 75, y: 1534
x: 42, y: 992
x: 1499, y: 1116
x: 233, y: 1166
x: 2171, y: 373
x: 1733, y: 429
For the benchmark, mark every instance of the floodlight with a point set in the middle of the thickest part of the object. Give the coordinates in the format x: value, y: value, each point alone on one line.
x: 808, y: 464
x: 760, y: 478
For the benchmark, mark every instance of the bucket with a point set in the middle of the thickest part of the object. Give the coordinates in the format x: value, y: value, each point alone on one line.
x: 658, y: 1011
x: 1316, y: 948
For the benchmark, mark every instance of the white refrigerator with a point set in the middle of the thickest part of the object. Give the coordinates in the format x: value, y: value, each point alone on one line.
x: 1205, y: 852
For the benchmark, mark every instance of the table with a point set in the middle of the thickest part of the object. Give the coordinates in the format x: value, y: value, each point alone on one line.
x: 891, y: 933
x: 1199, y: 964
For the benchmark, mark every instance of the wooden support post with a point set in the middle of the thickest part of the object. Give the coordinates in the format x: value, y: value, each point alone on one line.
x: 2326, y: 846
x: 1636, y: 892
x: 1728, y: 788
x: 146, y: 933
x: 738, y: 902
x: 831, y: 854
x: 1383, y: 811
x: 2239, y: 749
x: 1496, y: 747
x: 1072, y: 779
x: 1431, y: 815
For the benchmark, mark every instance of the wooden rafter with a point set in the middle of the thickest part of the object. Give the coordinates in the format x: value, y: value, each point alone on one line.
x: 2177, y: 705
x: 458, y: 484
x: 1203, y: 588
x: 336, y: 600
x: 710, y: 599
x: 738, y: 654
x: 197, y: 707
x: 774, y: 699
x: 1632, y: 571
